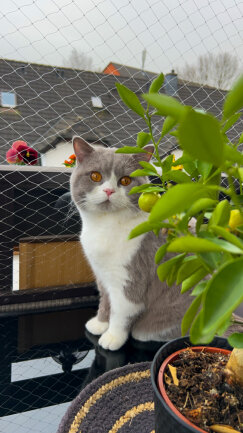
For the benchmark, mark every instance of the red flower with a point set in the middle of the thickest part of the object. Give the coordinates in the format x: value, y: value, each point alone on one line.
x: 19, y: 143
x: 20, y: 152
x: 12, y: 156
x: 28, y: 155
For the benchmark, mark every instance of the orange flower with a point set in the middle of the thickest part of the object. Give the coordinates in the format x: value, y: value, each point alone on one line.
x: 71, y: 161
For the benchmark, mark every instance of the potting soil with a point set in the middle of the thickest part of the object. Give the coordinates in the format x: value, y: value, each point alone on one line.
x: 203, y: 394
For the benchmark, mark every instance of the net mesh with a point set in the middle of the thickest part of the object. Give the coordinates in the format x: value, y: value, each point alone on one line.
x: 59, y: 65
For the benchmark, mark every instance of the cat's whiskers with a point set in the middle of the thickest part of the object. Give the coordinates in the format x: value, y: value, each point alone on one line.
x: 71, y: 212
x: 81, y: 204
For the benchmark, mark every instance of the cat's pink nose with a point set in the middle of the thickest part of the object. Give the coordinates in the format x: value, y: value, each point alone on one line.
x: 108, y: 191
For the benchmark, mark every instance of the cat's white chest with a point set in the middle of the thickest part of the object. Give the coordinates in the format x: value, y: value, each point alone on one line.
x: 105, y: 241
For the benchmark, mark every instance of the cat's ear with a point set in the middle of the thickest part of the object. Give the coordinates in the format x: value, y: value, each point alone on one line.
x: 150, y: 149
x: 81, y: 148
x: 145, y: 156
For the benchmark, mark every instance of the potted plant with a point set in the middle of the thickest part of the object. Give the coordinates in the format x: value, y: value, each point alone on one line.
x: 208, y: 261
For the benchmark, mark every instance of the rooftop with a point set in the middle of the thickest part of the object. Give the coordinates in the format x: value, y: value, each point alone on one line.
x: 52, y: 104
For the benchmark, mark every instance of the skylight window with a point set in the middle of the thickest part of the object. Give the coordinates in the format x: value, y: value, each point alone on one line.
x: 8, y: 99
x: 96, y: 102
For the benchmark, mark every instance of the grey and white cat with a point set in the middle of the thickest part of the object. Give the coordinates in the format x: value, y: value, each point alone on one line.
x: 132, y: 299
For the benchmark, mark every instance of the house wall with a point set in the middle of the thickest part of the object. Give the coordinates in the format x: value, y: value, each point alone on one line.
x: 55, y: 157
x: 177, y: 153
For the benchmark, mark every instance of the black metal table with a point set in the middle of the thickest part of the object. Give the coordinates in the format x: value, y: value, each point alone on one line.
x: 46, y: 359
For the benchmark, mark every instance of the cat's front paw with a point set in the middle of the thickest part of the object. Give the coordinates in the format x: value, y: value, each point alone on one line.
x: 96, y: 327
x: 112, y: 341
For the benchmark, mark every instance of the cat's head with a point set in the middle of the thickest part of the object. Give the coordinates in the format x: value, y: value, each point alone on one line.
x: 101, y: 179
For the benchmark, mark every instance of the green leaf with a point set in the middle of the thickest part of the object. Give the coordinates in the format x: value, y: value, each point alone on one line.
x: 214, y: 179
x: 146, y: 187
x: 199, y: 223
x: 241, y: 139
x: 200, y: 136
x: 147, y: 227
x: 141, y: 172
x: 190, y: 315
x: 231, y: 154
x: 168, y: 124
x: 234, y: 99
x: 201, y: 204
x: 176, y: 200
x: 164, y: 269
x: 226, y: 246
x: 130, y: 99
x: 220, y: 231
x: 189, y: 164
x: 140, y: 229
x: 185, y: 158
x: 200, y: 287
x: 191, y: 244
x: 221, y: 214
x: 166, y: 164
x: 174, y: 133
x: 166, y: 105
x: 156, y: 84
x: 191, y: 168
x: 230, y: 122
x: 240, y: 173
x: 204, y: 168
x: 171, y: 278
x: 177, y: 176
x: 194, y: 279
x: 223, y: 328
x: 148, y: 166
x: 160, y: 253
x: 224, y: 294
x: 236, y: 340
x: 188, y: 268
x: 130, y: 149
x: 239, y: 229
x: 214, y: 259
x: 196, y: 335
x: 143, y: 138
x: 183, y: 223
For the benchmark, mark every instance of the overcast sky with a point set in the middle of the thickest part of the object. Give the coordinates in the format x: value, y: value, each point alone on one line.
x: 172, y: 31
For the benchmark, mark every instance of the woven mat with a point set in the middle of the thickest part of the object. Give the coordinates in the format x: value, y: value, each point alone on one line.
x: 120, y: 401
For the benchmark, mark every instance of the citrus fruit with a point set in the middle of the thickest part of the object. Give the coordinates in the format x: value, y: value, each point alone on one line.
x: 236, y: 219
x: 147, y: 200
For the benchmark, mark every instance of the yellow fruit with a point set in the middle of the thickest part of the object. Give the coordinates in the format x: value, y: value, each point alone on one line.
x: 236, y: 219
x: 234, y: 367
x: 147, y: 200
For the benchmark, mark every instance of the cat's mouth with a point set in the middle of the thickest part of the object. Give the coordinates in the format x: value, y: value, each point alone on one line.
x: 107, y: 204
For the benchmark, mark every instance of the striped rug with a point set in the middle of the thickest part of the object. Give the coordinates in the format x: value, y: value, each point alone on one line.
x: 120, y: 401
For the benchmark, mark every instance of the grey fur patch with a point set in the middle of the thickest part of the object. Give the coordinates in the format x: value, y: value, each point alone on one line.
x: 164, y: 306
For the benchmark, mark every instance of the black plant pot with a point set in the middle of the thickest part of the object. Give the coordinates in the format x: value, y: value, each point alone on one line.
x: 165, y: 419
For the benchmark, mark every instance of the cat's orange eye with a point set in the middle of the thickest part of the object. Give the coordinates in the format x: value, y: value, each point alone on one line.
x: 125, y: 180
x: 96, y: 176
